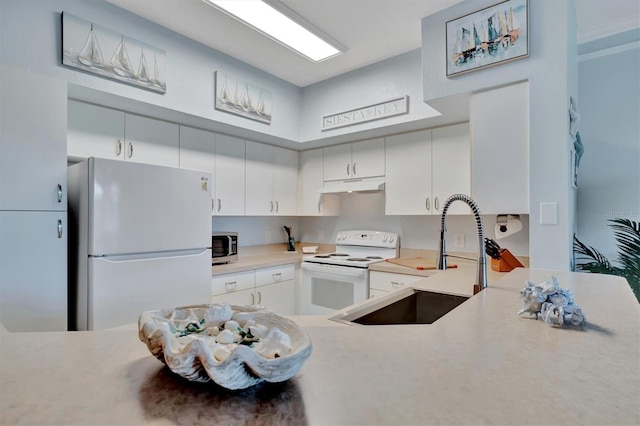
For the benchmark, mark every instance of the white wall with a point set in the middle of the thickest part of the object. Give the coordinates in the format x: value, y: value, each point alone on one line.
x: 366, y: 211
x: 398, y: 76
x: 31, y: 38
x: 609, y: 104
x: 549, y: 69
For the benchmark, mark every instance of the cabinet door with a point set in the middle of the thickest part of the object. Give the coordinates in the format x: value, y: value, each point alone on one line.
x: 337, y: 162
x: 408, y: 174
x: 280, y: 297
x: 390, y: 281
x: 259, y: 180
x: 33, y: 265
x: 310, y: 179
x: 229, y: 177
x: 241, y: 298
x: 151, y: 141
x: 500, y: 149
x: 95, y: 131
x: 198, y: 152
x: 451, y: 167
x: 33, y: 141
x: 285, y: 182
x: 229, y: 283
x: 367, y: 158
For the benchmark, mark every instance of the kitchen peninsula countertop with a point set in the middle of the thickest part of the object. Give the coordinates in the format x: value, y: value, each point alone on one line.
x: 479, y: 364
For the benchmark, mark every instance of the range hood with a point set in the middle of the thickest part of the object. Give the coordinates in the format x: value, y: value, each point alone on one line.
x: 372, y: 184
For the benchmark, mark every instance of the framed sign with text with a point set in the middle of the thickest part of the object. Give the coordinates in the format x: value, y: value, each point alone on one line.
x: 390, y: 108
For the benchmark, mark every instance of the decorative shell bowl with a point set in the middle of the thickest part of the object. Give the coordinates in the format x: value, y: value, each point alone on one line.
x: 235, y: 346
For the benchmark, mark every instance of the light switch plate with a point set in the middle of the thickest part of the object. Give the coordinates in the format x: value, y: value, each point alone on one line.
x: 548, y: 213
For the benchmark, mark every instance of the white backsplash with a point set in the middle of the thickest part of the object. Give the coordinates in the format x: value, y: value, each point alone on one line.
x: 366, y: 211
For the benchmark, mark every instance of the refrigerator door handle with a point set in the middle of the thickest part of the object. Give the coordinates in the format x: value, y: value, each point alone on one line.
x: 133, y: 257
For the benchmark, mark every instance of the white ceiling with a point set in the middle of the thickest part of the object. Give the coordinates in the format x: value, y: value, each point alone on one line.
x: 372, y: 30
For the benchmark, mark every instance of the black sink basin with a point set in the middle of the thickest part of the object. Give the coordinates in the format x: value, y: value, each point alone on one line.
x: 418, y: 307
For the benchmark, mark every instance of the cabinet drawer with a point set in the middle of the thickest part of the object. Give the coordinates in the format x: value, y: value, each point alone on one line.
x: 232, y: 282
x: 275, y: 274
x: 388, y: 281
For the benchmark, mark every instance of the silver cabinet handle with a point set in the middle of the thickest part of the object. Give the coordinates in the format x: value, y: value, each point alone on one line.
x: 219, y: 204
x: 118, y: 148
x: 253, y: 299
x: 354, y: 168
x: 427, y: 204
x: 230, y: 285
x: 59, y: 228
x: 320, y: 205
x: 213, y: 204
x: 436, y: 204
x: 277, y: 206
x: 271, y: 209
x: 277, y: 276
x: 130, y: 150
x: 348, y: 165
x: 59, y: 193
x: 396, y: 284
x: 259, y: 298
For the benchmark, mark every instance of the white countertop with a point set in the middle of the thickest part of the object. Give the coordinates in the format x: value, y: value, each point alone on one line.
x: 479, y: 364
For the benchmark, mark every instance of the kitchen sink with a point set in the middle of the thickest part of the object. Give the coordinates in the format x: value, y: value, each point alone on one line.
x: 409, y: 306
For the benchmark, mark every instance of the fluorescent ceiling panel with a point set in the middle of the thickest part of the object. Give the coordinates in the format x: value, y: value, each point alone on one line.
x: 286, y: 29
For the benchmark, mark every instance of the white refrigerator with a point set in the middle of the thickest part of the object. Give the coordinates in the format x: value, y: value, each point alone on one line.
x: 140, y: 239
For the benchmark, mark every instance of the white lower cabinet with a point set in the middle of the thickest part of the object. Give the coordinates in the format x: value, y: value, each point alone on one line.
x: 381, y: 283
x: 272, y: 288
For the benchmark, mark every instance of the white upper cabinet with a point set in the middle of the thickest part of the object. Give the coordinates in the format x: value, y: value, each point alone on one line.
x: 424, y: 168
x: 310, y: 179
x: 198, y: 152
x: 229, y: 176
x: 33, y: 140
x: 95, y: 131
x: 271, y: 180
x: 367, y: 158
x: 259, y: 181
x: 450, y: 167
x: 354, y: 160
x: 500, y: 149
x: 285, y: 181
x: 408, y: 174
x: 151, y: 141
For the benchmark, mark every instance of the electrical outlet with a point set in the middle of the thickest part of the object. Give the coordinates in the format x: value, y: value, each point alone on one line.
x: 458, y: 241
x: 267, y: 236
x: 320, y: 234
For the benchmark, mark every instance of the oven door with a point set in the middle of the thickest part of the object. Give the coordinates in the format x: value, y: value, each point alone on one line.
x: 327, y: 288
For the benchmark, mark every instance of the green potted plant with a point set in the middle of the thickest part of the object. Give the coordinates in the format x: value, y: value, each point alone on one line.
x: 627, y: 235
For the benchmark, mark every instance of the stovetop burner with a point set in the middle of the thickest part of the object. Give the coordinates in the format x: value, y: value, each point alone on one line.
x: 359, y: 249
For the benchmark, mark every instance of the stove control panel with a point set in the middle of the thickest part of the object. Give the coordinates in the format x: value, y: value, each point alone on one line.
x: 368, y: 238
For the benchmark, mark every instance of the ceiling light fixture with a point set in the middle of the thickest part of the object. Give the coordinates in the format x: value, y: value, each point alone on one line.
x: 278, y: 22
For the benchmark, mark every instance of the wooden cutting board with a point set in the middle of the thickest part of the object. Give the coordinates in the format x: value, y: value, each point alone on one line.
x: 419, y: 263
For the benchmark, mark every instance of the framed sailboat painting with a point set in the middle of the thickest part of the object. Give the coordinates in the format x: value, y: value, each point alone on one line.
x: 488, y: 37
x: 237, y: 96
x: 97, y: 50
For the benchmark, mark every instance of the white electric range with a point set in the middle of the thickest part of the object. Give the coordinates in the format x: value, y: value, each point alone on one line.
x: 336, y: 280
